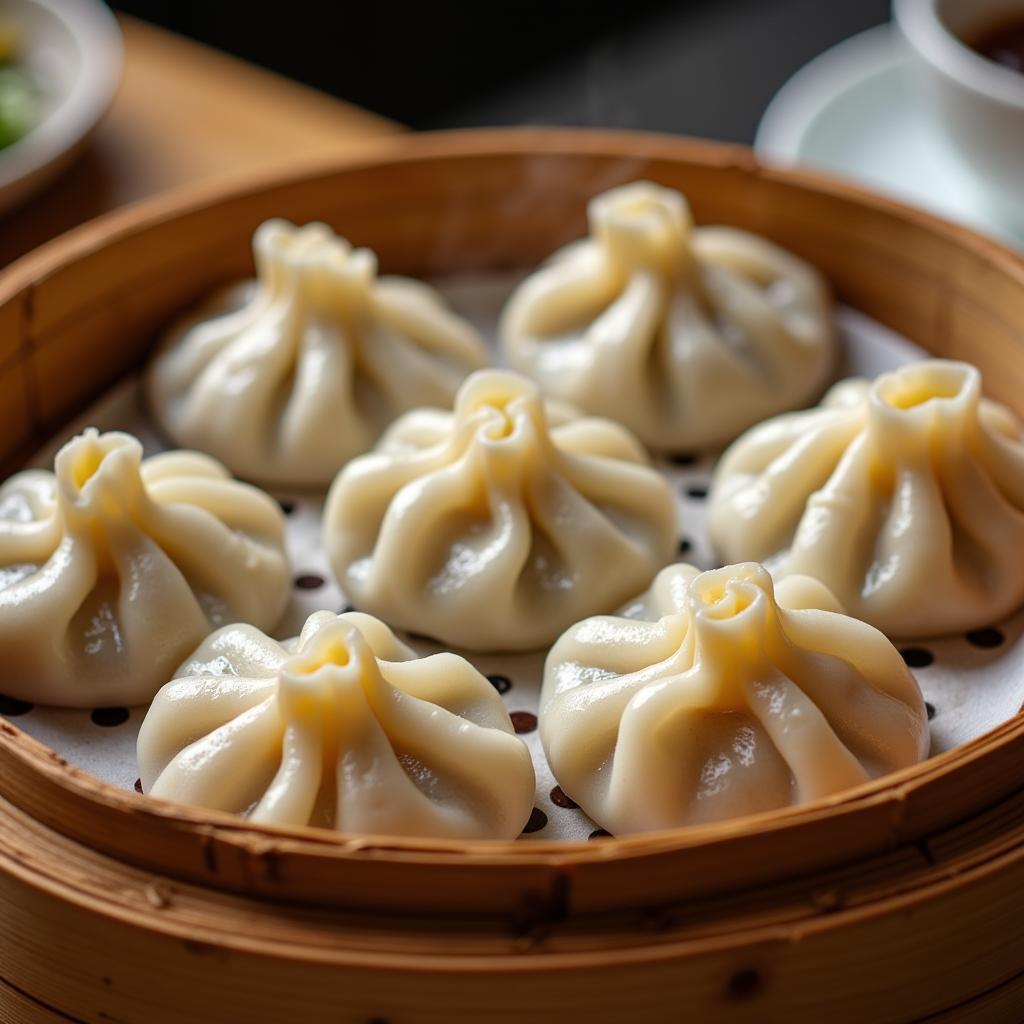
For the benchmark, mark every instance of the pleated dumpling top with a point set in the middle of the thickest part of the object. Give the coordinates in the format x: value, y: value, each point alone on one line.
x: 496, y: 525
x: 113, y: 567
x: 343, y: 727
x: 286, y: 378
x: 687, y: 335
x: 715, y: 695
x: 904, y: 495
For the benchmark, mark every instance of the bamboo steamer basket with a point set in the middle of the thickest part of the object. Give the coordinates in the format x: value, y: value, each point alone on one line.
x: 902, y: 900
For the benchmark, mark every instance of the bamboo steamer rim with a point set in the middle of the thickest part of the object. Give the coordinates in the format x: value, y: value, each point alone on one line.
x: 306, y: 864
x: 228, y: 922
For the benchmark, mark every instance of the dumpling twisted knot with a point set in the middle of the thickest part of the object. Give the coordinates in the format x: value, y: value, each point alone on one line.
x: 288, y: 377
x: 343, y: 728
x: 686, y: 335
x: 113, y: 568
x: 495, y: 526
x: 904, y: 495
x: 716, y: 694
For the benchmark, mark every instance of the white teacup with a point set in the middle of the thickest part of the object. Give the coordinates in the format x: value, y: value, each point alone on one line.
x: 978, y: 103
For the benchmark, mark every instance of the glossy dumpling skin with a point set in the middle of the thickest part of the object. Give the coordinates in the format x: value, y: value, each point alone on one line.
x: 287, y: 378
x: 715, y: 695
x: 904, y: 495
x: 490, y: 527
x: 686, y: 335
x: 343, y: 728
x: 113, y: 568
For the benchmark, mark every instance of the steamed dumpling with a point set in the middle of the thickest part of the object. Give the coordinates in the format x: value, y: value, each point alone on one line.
x: 905, y: 496
x: 492, y: 528
x: 715, y: 695
x: 113, y: 568
x: 342, y: 727
x: 287, y: 378
x: 685, y: 335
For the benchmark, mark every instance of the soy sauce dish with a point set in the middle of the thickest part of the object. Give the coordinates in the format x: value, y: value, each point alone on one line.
x: 60, y: 64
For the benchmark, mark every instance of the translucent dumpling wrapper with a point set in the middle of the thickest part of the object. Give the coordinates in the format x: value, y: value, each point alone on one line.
x: 716, y: 695
x: 686, y: 335
x: 113, y: 568
x: 287, y: 378
x: 344, y: 728
x: 905, y: 496
x: 492, y: 527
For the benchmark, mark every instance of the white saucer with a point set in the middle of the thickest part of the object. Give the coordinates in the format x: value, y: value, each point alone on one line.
x: 855, y: 111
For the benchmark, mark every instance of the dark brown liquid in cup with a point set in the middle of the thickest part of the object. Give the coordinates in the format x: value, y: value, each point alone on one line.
x: 1003, y: 43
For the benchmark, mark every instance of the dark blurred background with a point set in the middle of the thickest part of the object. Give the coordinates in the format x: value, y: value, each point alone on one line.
x: 703, y: 67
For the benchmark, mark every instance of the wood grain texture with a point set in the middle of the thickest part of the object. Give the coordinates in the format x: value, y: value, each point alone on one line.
x: 19, y: 1008
x: 11, y: 331
x: 863, y: 902
x: 16, y: 416
x: 884, y: 942
x: 185, y: 113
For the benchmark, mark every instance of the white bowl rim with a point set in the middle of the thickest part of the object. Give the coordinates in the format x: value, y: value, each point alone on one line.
x: 798, y: 105
x: 925, y: 31
x: 95, y: 28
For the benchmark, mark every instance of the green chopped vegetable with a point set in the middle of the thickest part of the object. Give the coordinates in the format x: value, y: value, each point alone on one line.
x: 19, y: 104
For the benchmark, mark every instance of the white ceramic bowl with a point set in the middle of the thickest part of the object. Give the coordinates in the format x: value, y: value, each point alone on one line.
x: 73, y: 48
x: 978, y: 103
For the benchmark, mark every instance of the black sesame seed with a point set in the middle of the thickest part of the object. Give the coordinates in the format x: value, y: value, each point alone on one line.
x: 12, y: 707
x: 684, y: 546
x: 523, y: 721
x: 988, y: 637
x: 501, y: 683
x: 929, y: 708
x: 559, y: 799
x: 309, y: 581
x: 917, y: 657
x: 538, y: 819
x: 697, y: 491
x: 682, y: 459
x: 109, y: 717
x: 138, y: 785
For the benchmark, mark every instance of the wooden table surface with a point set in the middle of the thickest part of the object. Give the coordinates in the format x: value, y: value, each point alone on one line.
x: 185, y: 113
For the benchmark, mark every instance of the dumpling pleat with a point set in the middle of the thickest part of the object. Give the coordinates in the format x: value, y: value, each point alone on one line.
x: 712, y: 698
x: 291, y: 796
x: 230, y: 768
